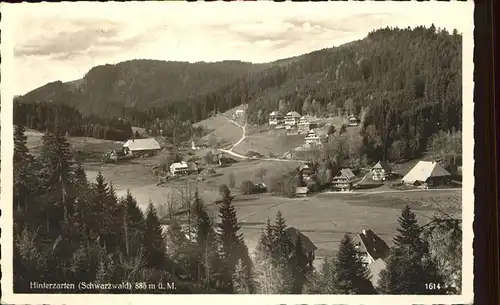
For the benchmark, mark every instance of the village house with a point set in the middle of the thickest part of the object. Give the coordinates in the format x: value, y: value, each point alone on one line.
x: 313, y: 137
x: 306, y: 171
x: 276, y: 118
x: 238, y: 114
x: 353, y: 121
x: 343, y: 181
x: 427, y: 173
x: 292, y: 118
x: 142, y: 147
x: 179, y: 168
x: 374, y: 252
x: 381, y: 171
x: 301, y: 191
x: 198, y: 145
x: 304, y: 125
x: 307, y: 245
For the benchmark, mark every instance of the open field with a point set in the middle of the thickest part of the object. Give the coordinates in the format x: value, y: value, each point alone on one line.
x: 275, y: 142
x: 326, y: 217
x: 221, y: 126
x: 87, y: 149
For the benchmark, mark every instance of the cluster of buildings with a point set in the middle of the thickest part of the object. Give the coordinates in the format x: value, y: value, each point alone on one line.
x: 424, y: 174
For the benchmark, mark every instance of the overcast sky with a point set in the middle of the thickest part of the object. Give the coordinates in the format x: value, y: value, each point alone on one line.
x: 62, y: 41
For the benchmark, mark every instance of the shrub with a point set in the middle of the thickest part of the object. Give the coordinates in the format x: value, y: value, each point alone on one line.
x: 247, y: 187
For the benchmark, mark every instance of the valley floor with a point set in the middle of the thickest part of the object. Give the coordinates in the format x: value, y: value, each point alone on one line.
x: 324, y: 218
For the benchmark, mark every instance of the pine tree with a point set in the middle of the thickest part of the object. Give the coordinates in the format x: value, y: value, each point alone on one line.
x: 99, y: 222
x: 410, y: 264
x: 281, y: 251
x: 230, y: 238
x: 205, y: 245
x: 268, y: 277
x: 24, y: 182
x: 56, y: 178
x: 281, y: 244
x: 134, y: 225
x: 299, y: 267
x: 352, y: 277
x: 240, y: 285
x: 409, y: 231
x: 154, y: 243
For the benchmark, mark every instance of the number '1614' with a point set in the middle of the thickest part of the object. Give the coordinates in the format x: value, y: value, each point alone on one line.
x: 432, y: 286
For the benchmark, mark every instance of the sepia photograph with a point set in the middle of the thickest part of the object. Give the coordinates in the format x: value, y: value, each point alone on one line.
x: 268, y: 152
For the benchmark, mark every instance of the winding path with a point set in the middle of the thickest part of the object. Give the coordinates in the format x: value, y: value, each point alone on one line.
x: 243, y: 137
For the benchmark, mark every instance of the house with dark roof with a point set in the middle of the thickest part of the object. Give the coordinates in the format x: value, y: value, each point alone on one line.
x: 374, y: 253
x: 380, y: 171
x: 371, y: 247
x: 307, y: 245
x: 343, y: 181
x: 427, y: 173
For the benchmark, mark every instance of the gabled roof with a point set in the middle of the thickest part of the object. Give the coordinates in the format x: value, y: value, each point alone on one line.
x: 142, y: 144
x: 375, y: 268
x: 293, y: 114
x: 425, y: 170
x: 346, y: 173
x: 300, y: 190
x: 275, y: 113
x: 382, y: 165
x: 373, y: 245
x: 305, y: 241
x: 181, y: 164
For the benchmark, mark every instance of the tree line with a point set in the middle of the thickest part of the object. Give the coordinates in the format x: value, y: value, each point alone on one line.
x: 44, y: 116
x: 68, y: 229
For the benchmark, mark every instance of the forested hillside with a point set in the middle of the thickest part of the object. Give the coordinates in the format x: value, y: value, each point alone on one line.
x: 140, y: 84
x: 408, y: 78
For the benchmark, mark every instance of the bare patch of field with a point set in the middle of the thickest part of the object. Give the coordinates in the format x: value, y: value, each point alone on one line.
x: 222, y: 128
x: 274, y: 142
x: 85, y: 148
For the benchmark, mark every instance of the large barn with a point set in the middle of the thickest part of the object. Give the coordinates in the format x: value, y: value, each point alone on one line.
x: 138, y: 147
x: 428, y: 173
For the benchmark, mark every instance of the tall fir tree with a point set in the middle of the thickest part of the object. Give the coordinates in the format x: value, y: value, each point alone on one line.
x: 24, y: 180
x: 56, y: 176
x: 352, y: 277
x: 299, y: 267
x: 281, y: 243
x: 410, y: 264
x: 154, y: 243
x: 281, y: 251
x: 230, y: 238
x: 205, y: 245
x: 409, y: 231
x: 134, y: 225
